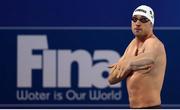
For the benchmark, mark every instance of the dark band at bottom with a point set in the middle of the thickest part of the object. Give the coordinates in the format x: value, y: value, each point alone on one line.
x: 151, y: 107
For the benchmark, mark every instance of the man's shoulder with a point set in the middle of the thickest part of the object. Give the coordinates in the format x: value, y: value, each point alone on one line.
x: 154, y: 42
x: 133, y: 41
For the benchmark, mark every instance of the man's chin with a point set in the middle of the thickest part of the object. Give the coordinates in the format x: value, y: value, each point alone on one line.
x: 138, y: 34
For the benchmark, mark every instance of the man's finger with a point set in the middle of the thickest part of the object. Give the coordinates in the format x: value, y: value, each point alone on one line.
x: 119, y: 72
x: 111, y: 66
x: 122, y: 72
x: 113, y: 69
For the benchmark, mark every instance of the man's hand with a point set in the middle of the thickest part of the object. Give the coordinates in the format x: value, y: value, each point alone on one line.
x: 119, y: 71
x: 124, y: 68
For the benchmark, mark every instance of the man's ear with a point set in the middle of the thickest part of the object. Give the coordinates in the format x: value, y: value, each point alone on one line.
x: 152, y: 25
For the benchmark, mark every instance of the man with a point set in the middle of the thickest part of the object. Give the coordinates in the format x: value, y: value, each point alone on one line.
x: 143, y: 63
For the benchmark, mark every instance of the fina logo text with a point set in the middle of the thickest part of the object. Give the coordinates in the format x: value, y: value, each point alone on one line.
x: 56, y: 64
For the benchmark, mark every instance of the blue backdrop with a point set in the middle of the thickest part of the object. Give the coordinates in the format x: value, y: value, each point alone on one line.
x: 84, y: 26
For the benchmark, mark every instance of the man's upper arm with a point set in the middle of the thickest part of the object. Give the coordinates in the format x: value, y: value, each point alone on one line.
x: 113, y: 76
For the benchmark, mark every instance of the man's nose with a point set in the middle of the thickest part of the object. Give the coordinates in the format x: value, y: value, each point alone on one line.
x: 138, y: 23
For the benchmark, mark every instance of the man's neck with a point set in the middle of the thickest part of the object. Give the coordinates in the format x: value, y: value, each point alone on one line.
x: 141, y: 39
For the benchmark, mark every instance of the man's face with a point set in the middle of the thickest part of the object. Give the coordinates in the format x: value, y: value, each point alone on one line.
x: 141, y: 26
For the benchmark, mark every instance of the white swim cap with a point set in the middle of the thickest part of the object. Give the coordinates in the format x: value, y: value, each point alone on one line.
x: 146, y: 11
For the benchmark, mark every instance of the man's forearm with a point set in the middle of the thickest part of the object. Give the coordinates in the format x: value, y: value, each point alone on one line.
x: 143, y: 61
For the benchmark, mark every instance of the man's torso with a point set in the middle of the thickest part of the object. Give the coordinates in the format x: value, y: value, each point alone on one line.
x: 144, y: 88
